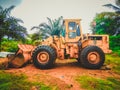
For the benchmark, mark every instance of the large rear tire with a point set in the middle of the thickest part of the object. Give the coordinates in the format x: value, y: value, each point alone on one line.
x: 44, y: 57
x: 92, y: 57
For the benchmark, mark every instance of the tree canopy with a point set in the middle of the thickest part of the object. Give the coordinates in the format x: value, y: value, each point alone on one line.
x: 108, y: 22
x: 10, y: 26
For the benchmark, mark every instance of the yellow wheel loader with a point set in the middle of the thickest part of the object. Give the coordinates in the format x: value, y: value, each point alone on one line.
x: 88, y: 49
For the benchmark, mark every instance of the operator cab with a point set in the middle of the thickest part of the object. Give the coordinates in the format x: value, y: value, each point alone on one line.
x: 72, y: 29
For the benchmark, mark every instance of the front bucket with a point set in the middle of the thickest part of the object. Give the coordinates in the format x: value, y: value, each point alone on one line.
x: 22, y: 56
x: 3, y: 63
x: 16, y: 60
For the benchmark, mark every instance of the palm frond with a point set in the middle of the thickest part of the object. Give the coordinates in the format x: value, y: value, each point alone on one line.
x: 46, y: 30
x: 16, y: 19
x: 60, y: 19
x: 43, y: 30
x: 35, y: 27
x: 117, y: 2
x: 50, y: 22
x: 45, y: 26
x: 47, y: 34
x: 1, y: 8
x: 7, y: 11
x: 112, y: 6
x: 53, y: 27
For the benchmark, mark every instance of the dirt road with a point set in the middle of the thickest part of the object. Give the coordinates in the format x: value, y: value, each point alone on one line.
x: 62, y: 75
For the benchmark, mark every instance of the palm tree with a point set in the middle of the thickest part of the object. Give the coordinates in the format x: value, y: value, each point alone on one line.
x: 4, y: 13
x: 53, y: 27
x: 114, y: 7
x: 9, y: 25
x: 15, y: 30
x: 117, y: 11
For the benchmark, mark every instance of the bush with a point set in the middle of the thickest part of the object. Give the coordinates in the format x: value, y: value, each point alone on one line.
x: 115, y: 43
x: 9, y: 45
x: 28, y: 41
x: 12, y: 45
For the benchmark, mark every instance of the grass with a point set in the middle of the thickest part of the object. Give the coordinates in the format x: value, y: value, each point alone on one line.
x: 110, y: 83
x: 90, y: 83
x: 10, y: 81
x: 114, y: 61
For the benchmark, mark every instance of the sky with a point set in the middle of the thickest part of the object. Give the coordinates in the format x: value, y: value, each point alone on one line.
x: 34, y: 12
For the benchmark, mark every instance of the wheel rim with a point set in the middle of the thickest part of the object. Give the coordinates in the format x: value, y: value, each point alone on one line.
x: 43, y: 57
x: 93, y: 57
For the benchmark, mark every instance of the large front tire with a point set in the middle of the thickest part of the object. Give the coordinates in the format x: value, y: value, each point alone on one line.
x: 44, y: 57
x: 92, y: 57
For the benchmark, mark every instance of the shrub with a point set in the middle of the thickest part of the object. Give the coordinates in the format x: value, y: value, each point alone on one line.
x: 12, y: 45
x: 115, y: 43
x: 9, y: 45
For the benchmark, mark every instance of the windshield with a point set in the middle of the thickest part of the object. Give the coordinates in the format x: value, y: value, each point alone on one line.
x: 74, y: 30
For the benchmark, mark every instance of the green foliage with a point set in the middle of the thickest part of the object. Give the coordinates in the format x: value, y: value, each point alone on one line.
x: 28, y: 41
x: 36, y: 39
x: 9, y: 45
x: 12, y: 45
x: 54, y: 27
x: 105, y: 23
x: 108, y: 22
x: 9, y: 81
x: 91, y: 83
x: 114, y: 61
x: 10, y: 26
x: 115, y: 44
x: 36, y: 36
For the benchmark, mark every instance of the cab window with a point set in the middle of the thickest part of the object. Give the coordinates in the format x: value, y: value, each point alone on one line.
x: 72, y: 27
x: 78, y: 30
x: 74, y: 30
